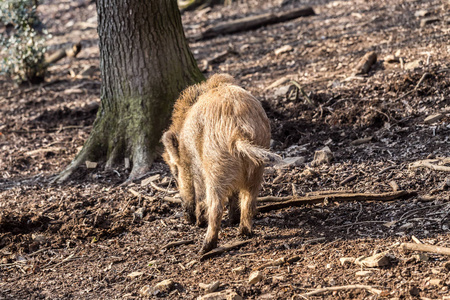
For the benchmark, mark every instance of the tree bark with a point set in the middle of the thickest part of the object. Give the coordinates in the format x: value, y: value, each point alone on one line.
x: 145, y: 62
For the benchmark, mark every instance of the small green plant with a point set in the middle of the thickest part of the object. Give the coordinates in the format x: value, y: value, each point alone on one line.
x: 22, y: 46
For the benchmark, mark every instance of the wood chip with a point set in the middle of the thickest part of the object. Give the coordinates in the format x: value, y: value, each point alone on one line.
x: 433, y: 118
x: 374, y: 261
x: 91, y: 164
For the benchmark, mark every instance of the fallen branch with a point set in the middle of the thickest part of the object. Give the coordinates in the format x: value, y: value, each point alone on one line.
x: 429, y: 163
x: 343, y: 287
x: 273, y: 199
x: 177, y: 243
x: 72, y: 51
x: 299, y: 201
x: 253, y: 22
x: 425, y: 248
x: 225, y: 248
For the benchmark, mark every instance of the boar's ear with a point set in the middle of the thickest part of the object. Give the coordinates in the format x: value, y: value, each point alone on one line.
x: 170, y: 141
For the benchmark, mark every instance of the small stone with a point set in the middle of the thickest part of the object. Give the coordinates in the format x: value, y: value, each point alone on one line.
x: 164, y: 286
x: 91, y: 164
x: 133, y: 275
x: 222, y: 295
x: 255, y: 277
x: 346, y: 260
x: 364, y: 273
x: 295, y: 161
x: 435, y: 281
x: 406, y: 226
x: 422, y: 13
x: 433, y: 118
x: 366, y: 62
x: 238, y: 270
x: 284, y: 49
x: 447, y: 265
x: 413, y: 65
x: 281, y: 91
x: 323, y: 156
x: 209, y: 288
x: 146, y: 290
x: 414, y: 291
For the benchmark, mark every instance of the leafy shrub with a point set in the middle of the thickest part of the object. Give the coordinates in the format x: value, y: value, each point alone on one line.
x: 22, y: 44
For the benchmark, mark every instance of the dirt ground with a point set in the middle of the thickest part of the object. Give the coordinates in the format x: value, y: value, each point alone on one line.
x: 83, y: 239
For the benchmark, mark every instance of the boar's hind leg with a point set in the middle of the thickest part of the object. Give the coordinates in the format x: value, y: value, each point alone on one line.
x: 247, y: 199
x: 234, y: 212
x: 200, y: 212
x: 214, y: 203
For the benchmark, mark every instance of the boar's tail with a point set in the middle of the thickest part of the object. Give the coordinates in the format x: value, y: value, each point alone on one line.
x: 256, y: 154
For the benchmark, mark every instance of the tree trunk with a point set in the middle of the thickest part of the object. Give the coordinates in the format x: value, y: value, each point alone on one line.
x: 145, y: 62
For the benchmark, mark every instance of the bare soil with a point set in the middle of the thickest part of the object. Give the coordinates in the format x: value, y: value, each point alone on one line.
x: 81, y: 239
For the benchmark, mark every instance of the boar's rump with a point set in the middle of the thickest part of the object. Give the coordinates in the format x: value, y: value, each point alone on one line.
x: 216, y: 148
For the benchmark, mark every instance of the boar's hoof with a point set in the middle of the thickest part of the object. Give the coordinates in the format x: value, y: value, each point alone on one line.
x: 245, y: 231
x: 208, y: 247
x: 201, y: 222
x: 189, y: 217
x: 234, y: 218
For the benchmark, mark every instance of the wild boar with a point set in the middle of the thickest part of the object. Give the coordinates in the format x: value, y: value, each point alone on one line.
x: 216, y: 148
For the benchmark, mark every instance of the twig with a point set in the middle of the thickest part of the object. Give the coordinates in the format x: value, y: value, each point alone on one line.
x: 67, y: 259
x: 225, y: 248
x: 39, y: 251
x: 137, y: 194
x: 153, y: 185
x: 386, y: 169
x: 177, y: 243
x: 172, y: 200
x: 337, y: 197
x: 425, y: 248
x: 343, y: 287
x: 425, y: 75
x: 348, y: 179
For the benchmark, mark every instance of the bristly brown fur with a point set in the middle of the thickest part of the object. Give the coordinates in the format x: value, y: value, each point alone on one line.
x: 191, y: 94
x: 216, y: 148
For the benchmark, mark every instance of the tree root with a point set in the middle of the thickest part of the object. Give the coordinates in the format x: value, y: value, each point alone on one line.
x: 431, y: 164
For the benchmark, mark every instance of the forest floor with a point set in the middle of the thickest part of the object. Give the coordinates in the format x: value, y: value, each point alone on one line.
x: 93, y: 238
